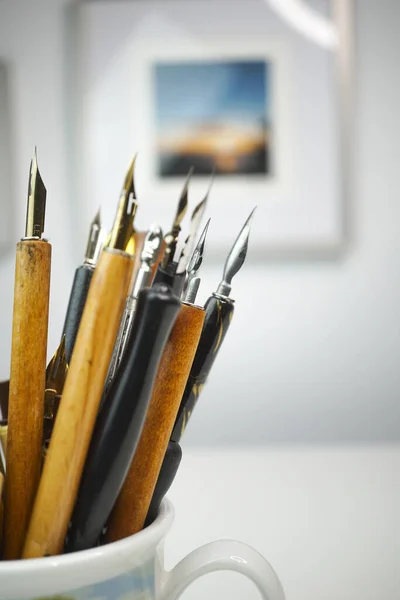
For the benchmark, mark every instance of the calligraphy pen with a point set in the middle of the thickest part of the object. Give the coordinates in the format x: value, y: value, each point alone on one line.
x: 172, y: 268
x: 83, y: 388
x: 218, y: 316
x: 130, y: 510
x: 122, y: 413
x: 28, y: 368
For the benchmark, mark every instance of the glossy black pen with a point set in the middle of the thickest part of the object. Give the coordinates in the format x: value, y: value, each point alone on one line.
x: 121, y: 417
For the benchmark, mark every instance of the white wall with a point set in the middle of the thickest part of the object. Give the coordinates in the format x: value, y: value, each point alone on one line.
x: 31, y: 42
x: 320, y: 359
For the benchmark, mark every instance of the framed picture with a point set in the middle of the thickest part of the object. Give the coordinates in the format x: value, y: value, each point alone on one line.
x: 247, y: 97
x: 228, y: 129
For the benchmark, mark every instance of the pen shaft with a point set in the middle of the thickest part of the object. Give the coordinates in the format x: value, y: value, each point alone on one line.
x: 120, y: 421
x: 27, y: 384
x: 77, y: 299
x: 169, y: 469
x: 218, y: 316
x: 1, y: 511
x: 79, y: 404
x: 3, y: 437
x: 133, y: 502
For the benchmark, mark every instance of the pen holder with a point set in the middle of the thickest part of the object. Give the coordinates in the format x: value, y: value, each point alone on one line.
x: 133, y: 569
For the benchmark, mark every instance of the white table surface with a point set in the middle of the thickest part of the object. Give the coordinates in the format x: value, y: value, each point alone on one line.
x: 326, y: 518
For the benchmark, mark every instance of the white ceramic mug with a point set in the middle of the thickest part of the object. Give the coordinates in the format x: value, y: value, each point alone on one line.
x: 132, y: 569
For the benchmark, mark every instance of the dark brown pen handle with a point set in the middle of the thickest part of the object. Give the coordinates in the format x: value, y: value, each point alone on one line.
x: 77, y: 299
x: 27, y: 384
x: 133, y: 502
x: 218, y: 316
x: 169, y: 469
x: 77, y: 412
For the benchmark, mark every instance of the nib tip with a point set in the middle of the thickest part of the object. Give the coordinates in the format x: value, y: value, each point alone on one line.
x: 97, y: 218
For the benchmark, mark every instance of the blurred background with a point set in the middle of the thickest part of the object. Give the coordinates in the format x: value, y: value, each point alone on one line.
x: 303, y: 401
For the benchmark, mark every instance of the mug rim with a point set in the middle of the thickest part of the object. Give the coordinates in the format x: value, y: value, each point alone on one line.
x: 108, y: 554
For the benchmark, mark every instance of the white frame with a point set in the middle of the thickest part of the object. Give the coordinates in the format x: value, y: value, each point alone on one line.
x: 244, y: 191
x: 239, y: 192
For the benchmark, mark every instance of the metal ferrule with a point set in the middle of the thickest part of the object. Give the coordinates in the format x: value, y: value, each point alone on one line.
x: 191, y: 290
x: 95, y: 243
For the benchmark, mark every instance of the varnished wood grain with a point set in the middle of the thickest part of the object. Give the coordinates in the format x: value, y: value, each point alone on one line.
x: 79, y: 403
x: 3, y: 437
x: 27, y: 383
x: 1, y: 511
x: 133, y: 503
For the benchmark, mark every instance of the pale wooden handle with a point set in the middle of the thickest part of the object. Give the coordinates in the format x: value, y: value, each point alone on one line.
x: 3, y: 437
x: 133, y: 502
x: 27, y: 384
x: 79, y: 404
x: 1, y: 511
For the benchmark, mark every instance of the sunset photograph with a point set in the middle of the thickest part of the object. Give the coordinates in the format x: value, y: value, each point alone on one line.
x: 213, y: 114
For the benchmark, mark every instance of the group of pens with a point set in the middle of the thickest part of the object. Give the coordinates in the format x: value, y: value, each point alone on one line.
x: 90, y: 444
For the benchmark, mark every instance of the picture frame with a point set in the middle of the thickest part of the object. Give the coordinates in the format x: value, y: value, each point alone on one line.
x: 301, y: 207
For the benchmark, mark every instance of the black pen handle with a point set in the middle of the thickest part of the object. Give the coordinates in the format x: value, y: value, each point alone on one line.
x: 175, y: 281
x: 169, y: 469
x: 120, y: 420
x: 219, y: 312
x: 76, y: 304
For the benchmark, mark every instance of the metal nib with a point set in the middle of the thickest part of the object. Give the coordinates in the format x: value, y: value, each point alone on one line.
x: 192, y: 282
x: 195, y: 220
x: 122, y: 230
x: 57, y: 368
x: 236, y: 258
x: 151, y: 250
x: 95, y: 241
x: 36, y: 209
x: 56, y: 374
x: 171, y: 238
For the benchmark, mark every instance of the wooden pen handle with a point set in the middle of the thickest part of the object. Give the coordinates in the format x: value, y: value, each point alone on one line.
x: 133, y: 502
x: 3, y: 437
x: 1, y: 511
x: 27, y: 384
x: 79, y: 403
x: 218, y: 316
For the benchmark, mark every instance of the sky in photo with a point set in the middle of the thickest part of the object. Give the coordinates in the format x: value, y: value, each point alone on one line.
x: 191, y: 94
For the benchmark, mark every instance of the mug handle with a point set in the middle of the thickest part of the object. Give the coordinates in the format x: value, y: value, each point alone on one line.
x: 224, y: 555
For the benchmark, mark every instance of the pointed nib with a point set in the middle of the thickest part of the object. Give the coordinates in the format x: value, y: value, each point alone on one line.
x: 197, y: 256
x: 236, y: 257
x: 122, y: 230
x: 171, y: 239
x: 36, y: 208
x: 183, y: 200
x: 57, y: 368
x: 129, y: 183
x: 95, y: 240
x: 152, y: 245
x: 200, y: 208
x: 97, y: 218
